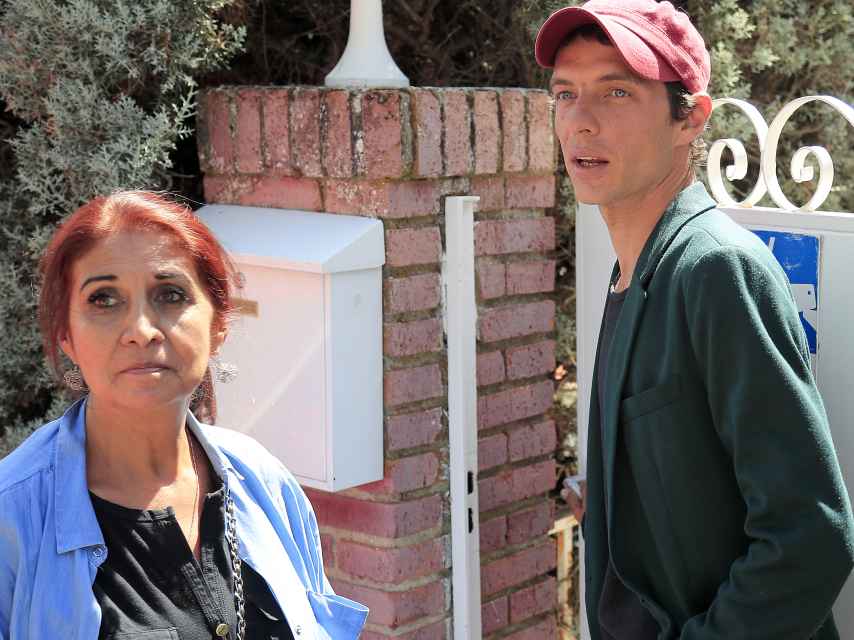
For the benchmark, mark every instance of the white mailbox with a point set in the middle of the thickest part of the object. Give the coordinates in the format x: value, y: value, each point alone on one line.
x: 307, y: 341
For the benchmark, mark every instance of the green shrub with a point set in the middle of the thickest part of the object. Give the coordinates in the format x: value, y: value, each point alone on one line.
x: 102, y: 90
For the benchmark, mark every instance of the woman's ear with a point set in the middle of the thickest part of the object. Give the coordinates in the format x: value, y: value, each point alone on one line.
x: 68, y: 349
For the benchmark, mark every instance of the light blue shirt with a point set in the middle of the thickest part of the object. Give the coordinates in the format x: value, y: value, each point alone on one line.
x: 51, y: 545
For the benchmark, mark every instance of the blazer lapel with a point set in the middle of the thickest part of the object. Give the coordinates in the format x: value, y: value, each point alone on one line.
x: 619, y: 360
x: 689, y: 203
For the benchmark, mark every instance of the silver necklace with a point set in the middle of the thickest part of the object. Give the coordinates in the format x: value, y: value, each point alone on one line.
x: 223, y: 629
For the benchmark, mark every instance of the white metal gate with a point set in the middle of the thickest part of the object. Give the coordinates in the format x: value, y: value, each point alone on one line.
x: 828, y: 307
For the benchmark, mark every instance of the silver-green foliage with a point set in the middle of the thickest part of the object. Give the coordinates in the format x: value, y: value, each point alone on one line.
x: 104, y: 88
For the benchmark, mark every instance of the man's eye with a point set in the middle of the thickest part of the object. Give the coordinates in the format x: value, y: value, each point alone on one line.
x: 172, y: 295
x: 564, y: 95
x: 619, y: 93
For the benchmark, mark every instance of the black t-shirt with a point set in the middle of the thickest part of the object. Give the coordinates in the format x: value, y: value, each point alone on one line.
x: 621, y: 614
x: 151, y: 580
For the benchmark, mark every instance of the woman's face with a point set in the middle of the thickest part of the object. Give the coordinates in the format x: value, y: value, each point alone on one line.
x: 140, y: 325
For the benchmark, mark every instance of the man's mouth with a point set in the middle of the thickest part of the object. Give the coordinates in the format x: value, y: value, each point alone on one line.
x: 590, y: 161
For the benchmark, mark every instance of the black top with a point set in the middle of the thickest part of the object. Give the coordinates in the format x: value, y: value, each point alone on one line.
x: 621, y: 614
x: 151, y: 580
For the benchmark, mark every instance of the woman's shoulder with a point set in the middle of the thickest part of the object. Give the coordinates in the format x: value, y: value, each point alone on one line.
x: 247, y: 454
x: 31, y: 459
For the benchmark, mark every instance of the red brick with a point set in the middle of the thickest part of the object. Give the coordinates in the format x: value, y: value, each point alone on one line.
x: 545, y: 629
x: 387, y: 520
x: 414, y: 293
x: 493, y: 534
x: 541, y: 139
x: 516, y: 484
x: 305, y: 132
x: 532, y: 441
x: 491, y: 192
x: 530, y: 277
x: 327, y: 548
x: 382, y: 136
x: 515, y: 404
x: 513, y: 130
x: 491, y: 279
x: 530, y: 524
x: 411, y: 385
x: 517, y: 568
x: 491, y: 451
x: 487, y: 133
x: 405, y: 247
x: 534, y: 600
x: 396, y: 608
x: 406, y: 474
x: 530, y: 360
x: 389, y: 200
x: 337, y: 135
x: 414, y: 429
x: 490, y: 368
x: 409, y: 338
x: 248, y: 136
x: 494, y: 615
x: 264, y: 191
x: 218, y: 153
x: 277, y: 146
x: 433, y: 631
x: 494, y: 237
x: 530, y: 192
x: 428, y: 133
x: 514, y: 321
x: 457, y: 131
x: 396, y: 564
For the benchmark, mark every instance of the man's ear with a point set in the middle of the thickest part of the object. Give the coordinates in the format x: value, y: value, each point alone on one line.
x: 695, y: 123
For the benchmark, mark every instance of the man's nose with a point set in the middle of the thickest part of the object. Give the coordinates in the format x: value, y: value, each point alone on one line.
x: 580, y: 119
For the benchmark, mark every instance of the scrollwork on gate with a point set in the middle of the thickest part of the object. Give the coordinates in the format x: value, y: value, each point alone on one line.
x: 769, y: 139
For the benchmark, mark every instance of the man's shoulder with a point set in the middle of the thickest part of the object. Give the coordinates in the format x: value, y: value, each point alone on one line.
x: 715, y: 240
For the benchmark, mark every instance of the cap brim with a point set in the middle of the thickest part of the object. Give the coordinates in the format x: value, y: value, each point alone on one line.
x: 638, y: 55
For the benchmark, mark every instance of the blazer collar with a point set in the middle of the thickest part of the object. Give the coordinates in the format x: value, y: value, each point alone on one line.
x: 688, y: 204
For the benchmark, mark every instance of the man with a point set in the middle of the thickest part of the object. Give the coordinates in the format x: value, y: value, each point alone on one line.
x: 715, y: 506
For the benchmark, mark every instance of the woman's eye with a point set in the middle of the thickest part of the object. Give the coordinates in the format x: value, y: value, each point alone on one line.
x: 619, y: 93
x: 103, y: 300
x: 172, y: 295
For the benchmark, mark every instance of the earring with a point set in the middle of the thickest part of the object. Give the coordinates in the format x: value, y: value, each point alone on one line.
x: 225, y: 371
x: 74, y: 379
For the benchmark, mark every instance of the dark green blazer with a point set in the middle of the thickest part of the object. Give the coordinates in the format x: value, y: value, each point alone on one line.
x: 711, y: 473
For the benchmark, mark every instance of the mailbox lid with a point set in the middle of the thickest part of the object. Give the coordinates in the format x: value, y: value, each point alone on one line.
x: 296, y: 240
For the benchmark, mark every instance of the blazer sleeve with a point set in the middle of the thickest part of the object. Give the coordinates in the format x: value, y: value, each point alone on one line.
x: 752, y: 353
x: 8, y: 547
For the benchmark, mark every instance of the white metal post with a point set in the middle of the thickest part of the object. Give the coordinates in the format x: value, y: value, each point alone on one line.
x: 366, y: 61
x: 460, y: 319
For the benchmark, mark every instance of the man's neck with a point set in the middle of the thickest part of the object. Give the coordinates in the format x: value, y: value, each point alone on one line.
x: 630, y: 222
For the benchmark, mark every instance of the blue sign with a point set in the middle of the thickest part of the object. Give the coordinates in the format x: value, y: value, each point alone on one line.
x: 798, y: 254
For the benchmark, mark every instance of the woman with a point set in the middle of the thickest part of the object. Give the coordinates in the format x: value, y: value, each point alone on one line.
x: 127, y: 518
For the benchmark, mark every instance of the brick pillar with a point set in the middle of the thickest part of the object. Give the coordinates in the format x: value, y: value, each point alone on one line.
x: 393, y: 154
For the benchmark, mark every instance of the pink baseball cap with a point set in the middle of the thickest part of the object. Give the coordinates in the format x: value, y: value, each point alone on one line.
x: 656, y: 41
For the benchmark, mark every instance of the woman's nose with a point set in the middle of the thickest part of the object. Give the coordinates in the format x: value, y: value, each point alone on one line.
x: 142, y: 326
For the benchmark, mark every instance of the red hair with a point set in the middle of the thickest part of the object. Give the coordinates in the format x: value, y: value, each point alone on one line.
x: 105, y: 216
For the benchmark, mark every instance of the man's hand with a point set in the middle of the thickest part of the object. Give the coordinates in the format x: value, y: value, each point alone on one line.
x: 574, y: 493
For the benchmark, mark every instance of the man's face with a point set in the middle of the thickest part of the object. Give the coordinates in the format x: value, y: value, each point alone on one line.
x: 615, y: 129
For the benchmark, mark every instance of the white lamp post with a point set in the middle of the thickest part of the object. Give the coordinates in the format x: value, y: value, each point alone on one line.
x: 366, y: 61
